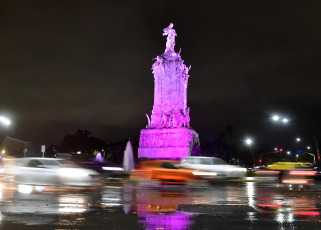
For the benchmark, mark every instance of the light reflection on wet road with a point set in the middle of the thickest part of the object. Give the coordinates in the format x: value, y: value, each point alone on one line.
x: 128, y: 205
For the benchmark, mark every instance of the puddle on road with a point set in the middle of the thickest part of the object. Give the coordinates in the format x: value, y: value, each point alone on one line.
x: 162, y: 207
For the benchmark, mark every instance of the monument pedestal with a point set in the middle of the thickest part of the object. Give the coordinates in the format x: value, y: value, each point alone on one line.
x: 166, y: 143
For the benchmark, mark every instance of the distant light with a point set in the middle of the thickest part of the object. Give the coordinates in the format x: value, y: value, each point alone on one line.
x: 275, y: 118
x: 276, y: 149
x: 3, y: 151
x: 288, y: 152
x: 308, y: 147
x: 298, y: 139
x: 5, y: 120
x: 248, y: 141
x: 297, y: 155
x: 285, y: 120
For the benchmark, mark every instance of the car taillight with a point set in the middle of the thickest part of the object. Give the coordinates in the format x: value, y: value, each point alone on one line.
x: 302, y: 173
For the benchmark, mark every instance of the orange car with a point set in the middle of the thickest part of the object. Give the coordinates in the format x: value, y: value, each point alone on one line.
x: 164, y: 171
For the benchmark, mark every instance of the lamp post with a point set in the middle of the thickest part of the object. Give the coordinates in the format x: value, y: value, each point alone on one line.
x: 267, y: 154
x: 284, y: 120
x: 313, y: 156
x: 249, y: 142
x: 280, y: 120
x: 5, y: 122
x: 315, y: 141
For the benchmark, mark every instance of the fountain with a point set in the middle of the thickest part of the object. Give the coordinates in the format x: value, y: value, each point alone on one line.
x: 128, y: 162
x: 99, y: 157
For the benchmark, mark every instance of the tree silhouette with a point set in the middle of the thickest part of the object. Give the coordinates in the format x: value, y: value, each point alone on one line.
x: 81, y: 142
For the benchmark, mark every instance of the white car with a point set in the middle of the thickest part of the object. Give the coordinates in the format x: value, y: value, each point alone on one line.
x: 222, y: 169
x: 48, y: 171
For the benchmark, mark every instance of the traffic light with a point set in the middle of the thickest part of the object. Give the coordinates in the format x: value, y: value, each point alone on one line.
x: 281, y: 150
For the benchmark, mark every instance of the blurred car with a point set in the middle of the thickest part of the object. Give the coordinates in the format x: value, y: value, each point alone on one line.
x: 290, y: 170
x: 287, y: 166
x: 215, y: 165
x: 48, y: 171
x: 105, y: 168
x: 166, y: 172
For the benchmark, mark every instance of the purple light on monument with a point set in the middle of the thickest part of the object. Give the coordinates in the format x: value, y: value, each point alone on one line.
x: 168, y: 134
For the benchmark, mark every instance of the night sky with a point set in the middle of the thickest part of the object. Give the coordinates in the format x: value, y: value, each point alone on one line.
x: 68, y: 65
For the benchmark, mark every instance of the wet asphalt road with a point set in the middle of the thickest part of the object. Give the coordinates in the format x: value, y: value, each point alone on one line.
x: 265, y: 204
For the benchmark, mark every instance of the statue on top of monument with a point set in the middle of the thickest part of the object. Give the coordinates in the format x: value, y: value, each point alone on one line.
x: 171, y: 33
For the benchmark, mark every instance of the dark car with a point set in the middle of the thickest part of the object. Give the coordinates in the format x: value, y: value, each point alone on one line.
x: 105, y: 168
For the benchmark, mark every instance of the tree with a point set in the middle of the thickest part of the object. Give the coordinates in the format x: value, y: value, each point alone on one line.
x: 81, y: 142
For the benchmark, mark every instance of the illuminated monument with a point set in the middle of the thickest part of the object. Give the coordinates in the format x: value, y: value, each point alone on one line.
x: 168, y: 134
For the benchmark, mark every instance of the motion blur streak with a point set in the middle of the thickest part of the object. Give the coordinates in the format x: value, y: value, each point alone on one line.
x: 270, y: 205
x: 25, y: 189
x: 71, y: 204
x: 266, y: 171
x: 307, y: 213
x: 250, y: 194
x: 303, y: 173
x: 295, y: 181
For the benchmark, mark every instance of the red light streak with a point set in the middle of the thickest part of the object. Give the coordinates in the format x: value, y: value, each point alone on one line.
x: 307, y: 213
x: 270, y: 205
x: 302, y: 173
x: 267, y: 171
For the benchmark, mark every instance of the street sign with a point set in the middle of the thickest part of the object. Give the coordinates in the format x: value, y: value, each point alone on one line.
x: 300, y: 151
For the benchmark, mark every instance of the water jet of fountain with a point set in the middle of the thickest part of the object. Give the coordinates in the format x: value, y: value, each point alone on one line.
x: 99, y: 157
x: 128, y: 162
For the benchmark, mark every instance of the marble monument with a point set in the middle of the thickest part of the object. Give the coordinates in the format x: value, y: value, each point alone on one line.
x: 168, y: 134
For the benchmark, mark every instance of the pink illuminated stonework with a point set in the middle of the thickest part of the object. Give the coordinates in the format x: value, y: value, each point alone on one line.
x: 168, y: 133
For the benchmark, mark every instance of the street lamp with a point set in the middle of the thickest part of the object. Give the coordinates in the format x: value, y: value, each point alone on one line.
x: 5, y: 121
x: 277, y: 118
x: 248, y: 141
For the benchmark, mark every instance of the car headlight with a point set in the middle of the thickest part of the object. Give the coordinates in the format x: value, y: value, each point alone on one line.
x: 242, y: 169
x: 69, y: 172
x: 237, y: 169
x: 112, y: 169
x: 202, y: 173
